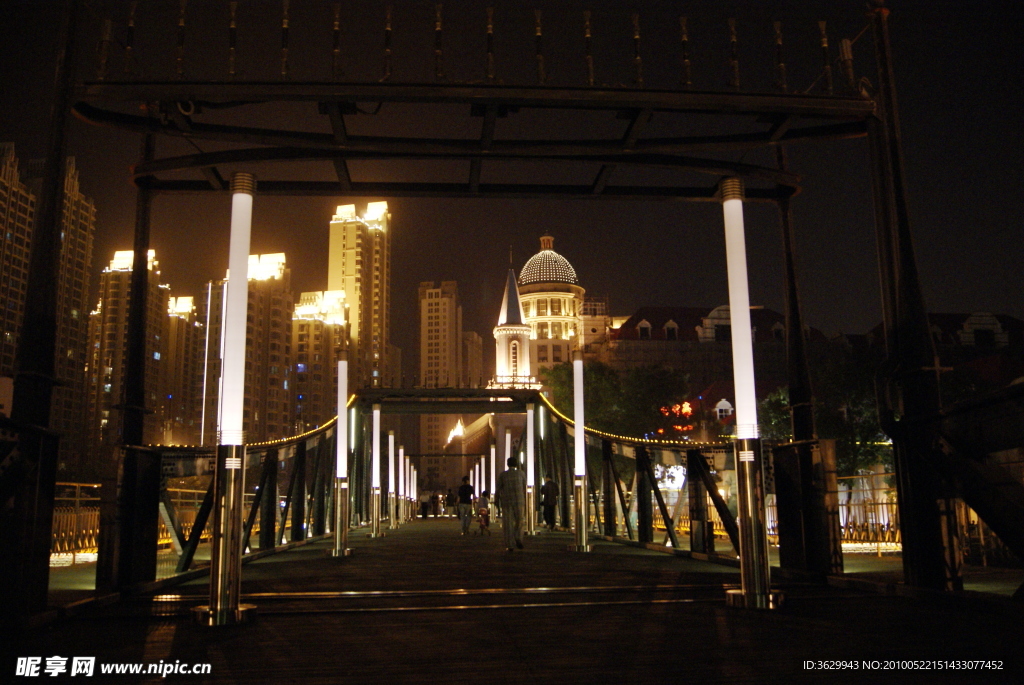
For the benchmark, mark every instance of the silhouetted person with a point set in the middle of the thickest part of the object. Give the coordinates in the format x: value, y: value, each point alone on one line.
x: 511, y: 497
x: 549, y: 500
x: 466, y: 493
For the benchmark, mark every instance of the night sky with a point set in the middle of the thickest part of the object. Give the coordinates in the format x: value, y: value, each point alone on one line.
x: 958, y: 71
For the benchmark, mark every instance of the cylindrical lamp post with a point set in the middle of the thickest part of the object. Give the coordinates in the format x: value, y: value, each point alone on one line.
x: 391, y: 499
x: 494, y: 467
x: 229, y: 477
x: 580, y: 518
x: 375, y: 475
x: 755, y: 592
x: 531, y: 476
x: 341, y: 491
x: 400, y: 468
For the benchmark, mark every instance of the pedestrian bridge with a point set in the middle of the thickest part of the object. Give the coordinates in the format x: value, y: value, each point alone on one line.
x: 424, y: 602
x: 290, y: 494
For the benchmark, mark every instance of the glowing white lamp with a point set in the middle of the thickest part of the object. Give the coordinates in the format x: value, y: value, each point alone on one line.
x: 739, y: 309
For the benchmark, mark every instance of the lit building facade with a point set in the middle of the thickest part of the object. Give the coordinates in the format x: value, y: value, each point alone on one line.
x: 268, y: 412
x: 319, y: 334
x: 472, y: 358
x: 359, y: 264
x: 17, y: 209
x: 552, y: 301
x: 108, y: 353
x: 181, y: 382
x: 440, y: 356
x: 440, y: 335
x: 78, y: 226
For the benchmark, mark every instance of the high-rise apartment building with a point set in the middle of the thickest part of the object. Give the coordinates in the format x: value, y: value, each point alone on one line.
x: 440, y: 335
x: 17, y: 209
x: 318, y: 336
x: 78, y: 225
x: 472, y: 359
x: 359, y: 263
x: 440, y: 356
x: 268, y: 352
x: 181, y: 380
x: 108, y: 352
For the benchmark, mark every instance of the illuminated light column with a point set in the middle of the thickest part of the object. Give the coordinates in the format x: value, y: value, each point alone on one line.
x: 494, y: 467
x: 755, y: 592
x: 410, y: 509
x: 341, y: 490
x: 531, y: 476
x: 412, y: 486
x: 391, y: 499
x: 229, y: 477
x: 375, y: 476
x: 580, y: 518
x: 400, y: 466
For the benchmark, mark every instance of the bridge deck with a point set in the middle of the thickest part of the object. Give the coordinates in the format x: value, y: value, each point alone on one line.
x: 426, y: 603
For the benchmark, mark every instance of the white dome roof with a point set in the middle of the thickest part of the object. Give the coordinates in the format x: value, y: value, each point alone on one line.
x: 547, y: 266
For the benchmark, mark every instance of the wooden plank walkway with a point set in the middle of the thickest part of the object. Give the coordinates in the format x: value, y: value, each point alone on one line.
x: 426, y: 604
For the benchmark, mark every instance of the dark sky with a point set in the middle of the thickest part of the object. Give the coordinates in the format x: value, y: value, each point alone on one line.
x: 958, y: 71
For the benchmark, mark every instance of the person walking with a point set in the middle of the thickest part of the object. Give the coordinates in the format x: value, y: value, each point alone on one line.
x: 424, y: 505
x: 450, y: 503
x: 511, y: 498
x: 549, y: 500
x: 466, y: 493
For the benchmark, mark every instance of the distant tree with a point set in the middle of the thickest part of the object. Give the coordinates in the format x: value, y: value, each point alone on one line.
x: 646, y: 391
x: 629, y: 403
x: 846, y: 408
x: 601, y: 393
x: 773, y: 416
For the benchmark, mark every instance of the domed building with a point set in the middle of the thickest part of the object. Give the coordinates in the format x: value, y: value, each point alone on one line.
x: 552, y: 301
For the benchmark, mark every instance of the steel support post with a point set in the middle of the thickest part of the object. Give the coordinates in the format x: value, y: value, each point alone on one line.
x: 297, y: 495
x: 341, y: 518
x: 269, y: 508
x: 644, y: 490
x: 138, y: 514
x: 531, y: 511
x: 28, y: 476
x: 611, y: 525
x: 226, y: 553
x: 755, y: 592
x: 702, y: 532
x: 929, y: 553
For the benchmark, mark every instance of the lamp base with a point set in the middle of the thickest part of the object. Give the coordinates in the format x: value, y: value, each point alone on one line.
x: 245, y: 613
x: 737, y: 600
x: 339, y: 553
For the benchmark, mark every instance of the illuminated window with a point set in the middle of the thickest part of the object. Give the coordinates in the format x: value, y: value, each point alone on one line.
x: 542, y: 353
x: 556, y: 353
x: 542, y: 307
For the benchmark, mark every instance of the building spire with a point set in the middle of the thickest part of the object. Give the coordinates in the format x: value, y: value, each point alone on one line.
x: 511, y: 308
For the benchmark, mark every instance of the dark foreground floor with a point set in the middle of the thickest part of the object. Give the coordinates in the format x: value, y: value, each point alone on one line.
x: 424, y: 604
